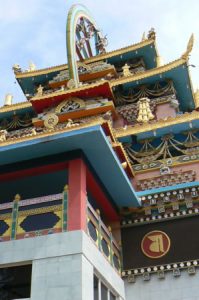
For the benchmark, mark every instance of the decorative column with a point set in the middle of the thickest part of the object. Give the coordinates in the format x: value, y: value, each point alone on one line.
x: 15, y: 216
x: 77, y: 197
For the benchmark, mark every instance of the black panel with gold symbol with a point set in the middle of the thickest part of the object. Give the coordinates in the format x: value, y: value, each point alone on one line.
x: 160, y: 243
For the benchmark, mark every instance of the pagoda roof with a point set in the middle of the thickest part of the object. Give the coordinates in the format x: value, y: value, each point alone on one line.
x: 177, y: 71
x: 145, y: 49
x: 114, y: 53
x: 95, y: 145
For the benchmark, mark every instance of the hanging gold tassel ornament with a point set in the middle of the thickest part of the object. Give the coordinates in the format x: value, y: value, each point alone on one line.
x: 144, y: 111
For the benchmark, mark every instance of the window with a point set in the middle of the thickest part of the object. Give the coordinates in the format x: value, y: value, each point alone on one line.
x: 112, y: 297
x: 101, y: 291
x: 104, y: 292
x: 15, y: 282
x: 96, y: 288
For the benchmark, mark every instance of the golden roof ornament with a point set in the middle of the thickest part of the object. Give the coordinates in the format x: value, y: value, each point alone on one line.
x: 143, y: 37
x: 3, y: 135
x: 8, y: 99
x: 144, y: 111
x: 126, y: 70
x: 196, y: 98
x: 32, y: 67
x: 159, y: 61
x: 151, y: 34
x: 124, y: 165
x: 17, y: 198
x: 16, y: 68
x: 190, y: 44
x: 40, y: 90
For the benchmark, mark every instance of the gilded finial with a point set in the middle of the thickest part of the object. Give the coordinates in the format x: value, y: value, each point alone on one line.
x: 32, y: 66
x: 126, y: 70
x: 8, y: 99
x: 16, y: 68
x: 109, y: 229
x: 40, y: 90
x: 66, y: 188
x: 151, y: 34
x: 98, y: 211
x: 3, y: 135
x: 190, y: 44
x: 17, y: 197
x: 143, y: 36
x: 159, y: 61
x: 124, y: 165
x: 144, y: 111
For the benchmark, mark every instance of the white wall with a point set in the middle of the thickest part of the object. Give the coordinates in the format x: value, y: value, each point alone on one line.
x: 184, y: 287
x: 62, y: 265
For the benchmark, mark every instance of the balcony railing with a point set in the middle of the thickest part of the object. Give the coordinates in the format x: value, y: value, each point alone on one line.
x: 103, y: 238
x: 48, y: 214
x: 33, y: 217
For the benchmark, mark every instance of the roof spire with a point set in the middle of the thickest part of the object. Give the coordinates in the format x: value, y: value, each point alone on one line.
x: 186, y: 54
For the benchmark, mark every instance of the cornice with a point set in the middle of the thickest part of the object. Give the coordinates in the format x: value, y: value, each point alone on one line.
x: 15, y: 106
x: 140, y: 128
x: 148, y: 73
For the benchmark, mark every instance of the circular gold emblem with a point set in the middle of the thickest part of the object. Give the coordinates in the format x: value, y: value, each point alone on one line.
x: 155, y: 244
x: 51, y: 120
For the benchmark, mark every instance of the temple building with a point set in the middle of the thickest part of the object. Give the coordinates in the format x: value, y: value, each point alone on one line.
x: 99, y: 174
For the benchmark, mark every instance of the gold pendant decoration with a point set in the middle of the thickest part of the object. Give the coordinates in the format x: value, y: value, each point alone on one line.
x: 144, y: 110
x: 155, y: 244
x: 51, y: 120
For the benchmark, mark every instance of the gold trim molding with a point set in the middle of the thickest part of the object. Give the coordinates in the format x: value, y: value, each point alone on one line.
x: 15, y: 106
x: 51, y: 132
x: 66, y: 92
x: 149, y: 73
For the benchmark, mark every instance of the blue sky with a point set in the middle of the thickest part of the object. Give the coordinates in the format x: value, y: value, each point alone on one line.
x: 34, y: 30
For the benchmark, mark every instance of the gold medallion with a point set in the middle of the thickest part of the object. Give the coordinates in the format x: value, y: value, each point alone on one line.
x: 155, y: 244
x: 51, y: 120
